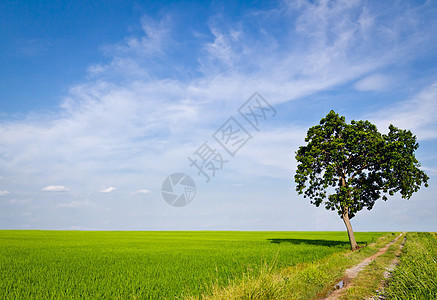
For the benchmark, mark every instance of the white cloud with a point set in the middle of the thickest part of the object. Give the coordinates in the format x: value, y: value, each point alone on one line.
x: 417, y: 114
x: 220, y: 51
x: 150, y: 125
x: 55, y: 188
x: 105, y: 124
x: 75, y: 227
x: 76, y: 204
x: 135, y: 121
x: 108, y: 190
x: 270, y: 153
x: 143, y: 191
x: 375, y: 82
x: 4, y: 192
x: 22, y: 201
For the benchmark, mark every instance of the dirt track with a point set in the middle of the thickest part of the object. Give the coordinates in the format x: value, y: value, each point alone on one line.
x: 355, y: 270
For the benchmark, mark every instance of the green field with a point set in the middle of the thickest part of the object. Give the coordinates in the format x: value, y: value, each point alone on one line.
x: 416, y: 275
x: 149, y: 265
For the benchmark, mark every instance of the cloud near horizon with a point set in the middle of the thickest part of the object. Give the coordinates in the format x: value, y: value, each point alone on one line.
x: 108, y: 190
x: 55, y: 188
x: 143, y: 191
x: 4, y: 192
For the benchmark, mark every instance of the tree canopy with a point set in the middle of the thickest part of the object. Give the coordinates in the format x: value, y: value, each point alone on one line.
x: 347, y: 167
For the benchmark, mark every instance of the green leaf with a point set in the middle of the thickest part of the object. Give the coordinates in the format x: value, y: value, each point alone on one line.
x: 357, y: 164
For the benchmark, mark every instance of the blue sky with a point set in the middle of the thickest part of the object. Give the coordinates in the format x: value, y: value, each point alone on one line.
x: 100, y: 102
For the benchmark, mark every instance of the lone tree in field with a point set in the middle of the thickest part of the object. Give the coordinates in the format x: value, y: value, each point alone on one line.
x: 347, y: 167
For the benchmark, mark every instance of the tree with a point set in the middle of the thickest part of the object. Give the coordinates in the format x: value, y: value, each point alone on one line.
x: 347, y: 167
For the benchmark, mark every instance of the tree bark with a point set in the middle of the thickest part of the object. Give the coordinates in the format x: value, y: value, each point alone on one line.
x: 350, y: 232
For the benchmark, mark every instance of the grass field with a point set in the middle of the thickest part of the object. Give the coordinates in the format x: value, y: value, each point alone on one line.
x: 149, y: 265
x: 416, y: 275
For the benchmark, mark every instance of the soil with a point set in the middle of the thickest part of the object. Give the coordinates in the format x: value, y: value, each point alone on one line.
x: 353, y: 272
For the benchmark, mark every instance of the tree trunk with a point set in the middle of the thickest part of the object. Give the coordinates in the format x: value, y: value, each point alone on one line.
x: 350, y: 232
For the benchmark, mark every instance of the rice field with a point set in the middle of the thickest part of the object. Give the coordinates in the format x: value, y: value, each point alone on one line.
x: 416, y: 275
x: 149, y: 265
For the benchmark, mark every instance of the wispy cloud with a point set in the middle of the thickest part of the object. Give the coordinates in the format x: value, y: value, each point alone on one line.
x: 143, y: 191
x: 108, y: 123
x: 416, y: 114
x: 108, y: 190
x: 137, y: 117
x: 17, y: 201
x: 4, y: 192
x: 129, y: 56
x: 76, y: 204
x: 374, y: 82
